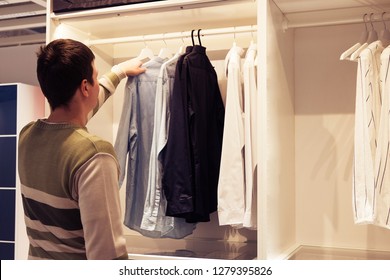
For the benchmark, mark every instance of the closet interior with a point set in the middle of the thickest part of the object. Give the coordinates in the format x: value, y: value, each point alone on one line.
x: 305, y: 111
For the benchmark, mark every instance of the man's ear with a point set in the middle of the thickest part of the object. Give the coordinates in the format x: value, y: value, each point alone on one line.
x: 84, y: 88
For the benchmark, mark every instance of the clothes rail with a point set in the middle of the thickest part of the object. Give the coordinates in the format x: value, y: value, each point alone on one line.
x: 333, y: 17
x: 170, y: 36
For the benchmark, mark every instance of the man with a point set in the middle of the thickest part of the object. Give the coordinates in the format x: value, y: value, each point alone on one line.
x: 69, y: 177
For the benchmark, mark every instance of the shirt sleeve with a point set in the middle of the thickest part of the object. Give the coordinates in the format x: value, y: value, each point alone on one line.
x: 107, y: 86
x: 127, y: 136
x: 98, y: 196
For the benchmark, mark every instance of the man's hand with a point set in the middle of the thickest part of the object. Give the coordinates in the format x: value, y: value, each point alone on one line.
x: 132, y: 67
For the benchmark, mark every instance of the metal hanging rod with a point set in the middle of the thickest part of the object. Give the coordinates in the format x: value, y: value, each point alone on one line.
x: 336, y: 17
x: 170, y: 36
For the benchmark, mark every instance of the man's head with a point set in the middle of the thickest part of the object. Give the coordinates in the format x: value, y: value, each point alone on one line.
x: 61, y: 67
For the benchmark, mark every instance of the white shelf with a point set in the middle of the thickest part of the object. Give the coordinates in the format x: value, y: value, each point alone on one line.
x: 160, y: 17
x: 145, y: 8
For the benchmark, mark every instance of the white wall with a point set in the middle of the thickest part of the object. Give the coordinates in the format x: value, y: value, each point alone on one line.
x: 324, y: 121
x: 18, y: 64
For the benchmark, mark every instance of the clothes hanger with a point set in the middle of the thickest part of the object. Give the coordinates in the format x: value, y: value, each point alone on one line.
x: 251, y: 52
x: 363, y: 38
x: 234, y: 38
x: 372, y: 37
x: 385, y: 33
x: 233, y: 50
x: 192, y: 37
x: 252, y: 43
x: 165, y: 52
x: 252, y: 47
x: 200, y: 43
x: 182, y: 47
x: 146, y: 54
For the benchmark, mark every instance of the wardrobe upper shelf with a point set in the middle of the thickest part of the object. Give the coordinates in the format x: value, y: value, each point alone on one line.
x: 160, y: 17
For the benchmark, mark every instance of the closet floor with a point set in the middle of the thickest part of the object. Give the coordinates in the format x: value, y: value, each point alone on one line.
x: 323, y: 253
x: 140, y: 247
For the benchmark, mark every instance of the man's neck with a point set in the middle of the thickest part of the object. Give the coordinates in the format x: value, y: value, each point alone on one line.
x: 66, y: 115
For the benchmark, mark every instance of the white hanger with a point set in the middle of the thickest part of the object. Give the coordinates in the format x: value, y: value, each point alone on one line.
x: 252, y: 48
x: 372, y: 37
x: 385, y: 33
x: 228, y: 55
x: 165, y: 52
x: 356, y: 53
x: 251, y: 52
x: 234, y: 49
x: 254, y: 45
x: 363, y: 38
x: 146, y: 54
x: 182, y: 48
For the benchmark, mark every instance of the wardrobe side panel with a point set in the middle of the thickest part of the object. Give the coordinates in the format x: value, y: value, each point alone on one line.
x: 262, y: 11
x: 277, y: 129
x: 324, y: 106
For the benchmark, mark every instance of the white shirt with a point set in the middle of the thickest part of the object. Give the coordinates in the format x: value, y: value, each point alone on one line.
x: 231, y: 184
x: 250, y: 101
x: 382, y: 162
x: 367, y: 119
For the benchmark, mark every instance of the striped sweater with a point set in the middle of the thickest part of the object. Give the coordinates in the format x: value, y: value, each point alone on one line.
x: 69, y: 185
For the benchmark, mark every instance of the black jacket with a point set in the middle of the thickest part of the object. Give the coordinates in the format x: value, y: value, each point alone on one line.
x: 191, y: 158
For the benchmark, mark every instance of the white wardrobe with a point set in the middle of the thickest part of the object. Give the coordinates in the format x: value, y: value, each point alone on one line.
x: 305, y: 115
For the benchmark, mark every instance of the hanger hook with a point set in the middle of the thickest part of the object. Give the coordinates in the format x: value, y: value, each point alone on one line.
x: 143, y: 38
x: 364, y: 20
x: 383, y: 20
x: 200, y: 43
x: 163, y: 38
x: 372, y: 25
x: 192, y: 37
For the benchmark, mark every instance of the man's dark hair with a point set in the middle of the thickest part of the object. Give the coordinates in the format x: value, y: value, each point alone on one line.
x: 61, y: 67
